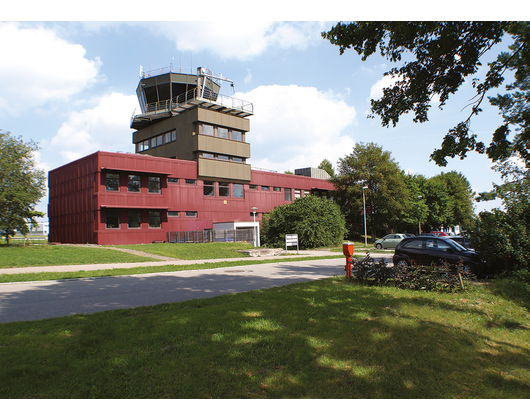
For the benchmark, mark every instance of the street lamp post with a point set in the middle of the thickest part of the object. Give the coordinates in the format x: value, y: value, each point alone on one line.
x: 419, y: 218
x: 254, y: 227
x: 364, y: 213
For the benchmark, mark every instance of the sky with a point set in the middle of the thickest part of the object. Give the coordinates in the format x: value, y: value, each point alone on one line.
x: 70, y: 85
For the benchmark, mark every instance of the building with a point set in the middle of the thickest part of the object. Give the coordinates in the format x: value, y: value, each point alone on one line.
x: 188, y: 172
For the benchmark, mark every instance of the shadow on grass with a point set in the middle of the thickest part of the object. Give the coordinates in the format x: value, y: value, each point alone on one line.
x: 323, y: 339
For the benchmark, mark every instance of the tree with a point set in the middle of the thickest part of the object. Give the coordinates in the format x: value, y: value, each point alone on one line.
x: 502, y: 237
x: 445, y: 54
x: 22, y: 185
x: 387, y: 198
x: 317, y: 221
x: 327, y: 166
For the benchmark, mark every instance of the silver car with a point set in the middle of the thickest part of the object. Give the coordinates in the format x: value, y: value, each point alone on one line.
x: 389, y: 241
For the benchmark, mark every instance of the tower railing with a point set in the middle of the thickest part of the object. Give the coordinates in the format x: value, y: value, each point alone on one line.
x: 192, y: 95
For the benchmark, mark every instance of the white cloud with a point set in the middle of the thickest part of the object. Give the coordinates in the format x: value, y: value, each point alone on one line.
x: 104, y: 127
x: 37, y: 67
x: 376, y: 91
x: 240, y: 40
x: 295, y: 127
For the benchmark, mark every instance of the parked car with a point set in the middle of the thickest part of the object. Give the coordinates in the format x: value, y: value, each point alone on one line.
x: 428, y: 250
x: 389, y: 241
x: 439, y: 233
x: 462, y: 240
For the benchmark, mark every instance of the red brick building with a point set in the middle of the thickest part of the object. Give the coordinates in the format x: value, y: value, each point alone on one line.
x: 189, y: 171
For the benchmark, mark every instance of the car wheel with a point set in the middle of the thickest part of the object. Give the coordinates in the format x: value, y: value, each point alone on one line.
x: 379, y: 246
x: 469, y: 269
x: 402, y: 264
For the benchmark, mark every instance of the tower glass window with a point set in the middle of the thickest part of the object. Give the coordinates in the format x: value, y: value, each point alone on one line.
x: 207, y: 130
x: 222, y: 132
x: 236, y: 135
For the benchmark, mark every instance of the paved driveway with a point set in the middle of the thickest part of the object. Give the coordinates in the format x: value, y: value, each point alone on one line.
x: 48, y: 299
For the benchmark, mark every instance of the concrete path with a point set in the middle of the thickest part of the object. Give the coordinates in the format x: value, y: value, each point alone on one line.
x: 34, y: 300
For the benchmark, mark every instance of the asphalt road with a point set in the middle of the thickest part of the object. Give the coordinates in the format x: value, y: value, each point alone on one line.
x: 49, y: 299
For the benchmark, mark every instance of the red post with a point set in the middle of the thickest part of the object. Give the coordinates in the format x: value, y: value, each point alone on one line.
x: 347, y: 250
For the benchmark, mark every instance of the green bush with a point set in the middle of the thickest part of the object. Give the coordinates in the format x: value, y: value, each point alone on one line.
x: 317, y: 221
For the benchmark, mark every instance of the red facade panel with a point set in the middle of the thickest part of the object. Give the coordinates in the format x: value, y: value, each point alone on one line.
x: 80, y: 203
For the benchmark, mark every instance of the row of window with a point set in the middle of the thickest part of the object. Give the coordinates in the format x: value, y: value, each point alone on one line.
x: 134, y: 218
x: 134, y: 183
x: 222, y: 157
x: 157, y: 141
x: 224, y: 133
x: 206, y: 129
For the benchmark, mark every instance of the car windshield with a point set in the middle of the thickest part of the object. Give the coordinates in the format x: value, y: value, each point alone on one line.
x: 458, y: 246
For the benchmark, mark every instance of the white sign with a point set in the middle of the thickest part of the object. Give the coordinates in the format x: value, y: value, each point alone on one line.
x: 291, y: 240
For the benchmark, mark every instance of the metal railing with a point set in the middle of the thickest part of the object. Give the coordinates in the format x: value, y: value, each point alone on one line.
x: 193, y: 95
x: 207, y: 236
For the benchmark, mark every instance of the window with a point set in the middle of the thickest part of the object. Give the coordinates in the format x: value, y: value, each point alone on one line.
x: 167, y: 138
x: 134, y: 183
x: 236, y: 135
x: 208, y: 189
x: 190, y: 181
x: 140, y: 146
x: 253, y: 187
x: 222, y: 132
x: 134, y: 219
x: 307, y: 192
x: 191, y: 214
x: 207, y: 130
x: 287, y: 192
x: 153, y: 142
x: 237, y: 159
x: 112, y: 182
x: 154, y: 219
x: 153, y: 184
x: 159, y: 140
x: 173, y: 180
x: 238, y: 191
x: 208, y: 155
x: 224, y: 189
x: 174, y: 135
x: 277, y: 189
x: 263, y: 188
x: 297, y: 194
x: 414, y: 244
x: 173, y: 214
x: 146, y: 145
x: 112, y: 219
x: 222, y: 157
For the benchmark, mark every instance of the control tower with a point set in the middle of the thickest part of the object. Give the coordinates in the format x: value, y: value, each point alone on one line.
x: 183, y: 116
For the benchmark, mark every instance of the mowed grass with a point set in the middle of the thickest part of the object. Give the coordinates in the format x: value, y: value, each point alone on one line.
x: 322, y: 339
x: 191, y: 251
x: 47, y: 255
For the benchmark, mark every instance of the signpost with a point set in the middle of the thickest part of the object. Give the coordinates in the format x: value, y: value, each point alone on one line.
x: 291, y: 240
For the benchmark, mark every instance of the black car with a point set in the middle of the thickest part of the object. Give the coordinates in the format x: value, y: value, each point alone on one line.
x: 462, y: 240
x: 428, y: 250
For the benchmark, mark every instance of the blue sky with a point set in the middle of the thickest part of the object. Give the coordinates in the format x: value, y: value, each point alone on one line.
x: 70, y: 85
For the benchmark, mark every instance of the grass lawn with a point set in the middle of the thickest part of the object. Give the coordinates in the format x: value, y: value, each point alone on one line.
x: 194, y: 251
x: 322, y: 339
x: 48, y: 255
x: 44, y: 255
